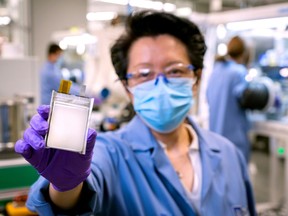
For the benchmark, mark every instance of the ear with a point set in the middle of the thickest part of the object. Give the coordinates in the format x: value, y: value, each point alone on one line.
x: 124, y: 83
x: 198, y: 75
x: 196, y: 85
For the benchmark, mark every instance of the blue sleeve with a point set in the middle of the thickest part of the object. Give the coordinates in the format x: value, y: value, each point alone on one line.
x: 248, y: 186
x: 239, y: 90
x: 239, y: 84
x: 51, y: 79
x: 36, y: 199
x: 96, y: 185
x: 39, y: 201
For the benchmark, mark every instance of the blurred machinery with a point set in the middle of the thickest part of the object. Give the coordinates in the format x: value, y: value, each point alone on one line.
x: 266, y: 31
x: 19, y: 97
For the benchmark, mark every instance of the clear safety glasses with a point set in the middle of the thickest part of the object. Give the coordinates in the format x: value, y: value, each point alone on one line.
x: 142, y: 75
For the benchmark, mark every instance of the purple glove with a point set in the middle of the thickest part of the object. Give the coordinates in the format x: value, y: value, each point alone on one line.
x: 64, y: 169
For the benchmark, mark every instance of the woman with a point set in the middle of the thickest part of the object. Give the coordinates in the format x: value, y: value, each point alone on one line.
x: 227, y: 82
x: 161, y: 163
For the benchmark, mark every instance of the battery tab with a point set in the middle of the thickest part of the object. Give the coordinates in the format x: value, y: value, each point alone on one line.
x: 65, y: 86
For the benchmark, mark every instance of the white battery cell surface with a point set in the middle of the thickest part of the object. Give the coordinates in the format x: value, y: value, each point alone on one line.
x: 68, y: 122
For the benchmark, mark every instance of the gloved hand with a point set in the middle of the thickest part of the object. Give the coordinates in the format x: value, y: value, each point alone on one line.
x: 64, y: 169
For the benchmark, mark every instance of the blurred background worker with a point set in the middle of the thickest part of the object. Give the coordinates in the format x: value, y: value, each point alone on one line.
x: 51, y: 74
x: 229, y: 95
x: 226, y: 116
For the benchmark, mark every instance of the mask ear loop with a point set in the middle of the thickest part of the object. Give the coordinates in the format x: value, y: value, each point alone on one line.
x: 163, y: 76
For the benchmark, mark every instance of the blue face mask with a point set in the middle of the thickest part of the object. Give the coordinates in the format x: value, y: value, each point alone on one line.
x: 163, y: 103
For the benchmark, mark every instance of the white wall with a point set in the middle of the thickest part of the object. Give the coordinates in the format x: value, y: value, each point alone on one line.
x: 21, y: 78
x: 100, y: 71
x: 48, y: 16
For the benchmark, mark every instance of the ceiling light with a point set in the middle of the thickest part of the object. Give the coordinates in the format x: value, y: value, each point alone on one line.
x: 278, y: 22
x: 75, y: 40
x: 120, y: 2
x: 5, y: 20
x: 222, y: 49
x: 168, y: 7
x: 101, y: 16
x: 80, y: 49
x: 184, y: 11
x: 221, y: 31
x: 156, y: 5
x: 63, y: 45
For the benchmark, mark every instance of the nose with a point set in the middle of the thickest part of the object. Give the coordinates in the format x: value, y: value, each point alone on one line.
x: 161, y: 76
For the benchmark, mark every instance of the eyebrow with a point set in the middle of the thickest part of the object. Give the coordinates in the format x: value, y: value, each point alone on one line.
x: 142, y: 65
x: 166, y: 65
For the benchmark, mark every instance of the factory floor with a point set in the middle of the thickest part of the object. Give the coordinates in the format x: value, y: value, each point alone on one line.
x: 260, y: 173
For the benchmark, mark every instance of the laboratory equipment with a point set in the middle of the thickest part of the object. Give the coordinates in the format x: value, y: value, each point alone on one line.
x: 265, y: 30
x: 13, y: 121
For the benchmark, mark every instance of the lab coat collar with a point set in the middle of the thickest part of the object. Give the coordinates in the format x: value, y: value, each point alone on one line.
x: 143, y: 140
x: 143, y: 133
x: 210, y: 153
x: 171, y: 180
x: 140, y: 134
x: 203, y: 137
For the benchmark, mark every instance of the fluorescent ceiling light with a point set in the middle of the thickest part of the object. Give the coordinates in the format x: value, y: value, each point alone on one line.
x: 63, y: 45
x: 5, y: 20
x: 100, y: 16
x: 262, y: 33
x: 75, y: 40
x: 156, y: 5
x: 221, y: 31
x: 147, y: 4
x: 168, y: 7
x: 222, y: 49
x: 279, y: 22
x: 120, y: 2
x: 80, y: 49
x: 185, y: 11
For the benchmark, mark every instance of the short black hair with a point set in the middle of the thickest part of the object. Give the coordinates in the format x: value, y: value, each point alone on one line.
x: 154, y: 23
x: 53, y: 48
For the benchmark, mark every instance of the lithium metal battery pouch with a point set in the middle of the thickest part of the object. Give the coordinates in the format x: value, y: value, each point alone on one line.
x: 68, y: 119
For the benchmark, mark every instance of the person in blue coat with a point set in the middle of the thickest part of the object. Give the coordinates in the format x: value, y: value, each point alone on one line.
x: 226, y: 84
x: 51, y: 75
x: 161, y: 162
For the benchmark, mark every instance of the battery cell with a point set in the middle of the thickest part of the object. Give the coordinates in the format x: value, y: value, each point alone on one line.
x: 68, y: 122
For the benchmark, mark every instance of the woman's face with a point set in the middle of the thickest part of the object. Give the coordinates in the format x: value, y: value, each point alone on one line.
x: 156, y: 53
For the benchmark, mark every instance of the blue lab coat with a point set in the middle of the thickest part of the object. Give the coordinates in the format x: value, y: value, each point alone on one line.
x: 226, y: 117
x: 131, y: 175
x: 51, y: 77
